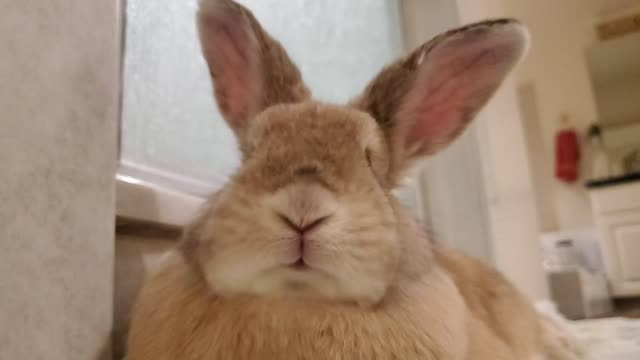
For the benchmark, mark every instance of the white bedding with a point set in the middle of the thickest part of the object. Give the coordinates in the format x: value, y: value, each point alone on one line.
x: 600, y: 339
x: 609, y: 338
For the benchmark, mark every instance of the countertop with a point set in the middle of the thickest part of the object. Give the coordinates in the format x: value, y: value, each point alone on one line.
x: 614, y: 180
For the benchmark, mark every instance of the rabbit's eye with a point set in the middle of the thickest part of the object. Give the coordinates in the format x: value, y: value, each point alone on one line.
x: 367, y: 154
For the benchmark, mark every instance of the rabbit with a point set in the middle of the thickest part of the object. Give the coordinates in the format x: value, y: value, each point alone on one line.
x: 305, y: 253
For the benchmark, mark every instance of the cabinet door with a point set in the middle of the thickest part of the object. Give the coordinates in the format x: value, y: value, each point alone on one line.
x: 627, y: 239
x: 621, y: 247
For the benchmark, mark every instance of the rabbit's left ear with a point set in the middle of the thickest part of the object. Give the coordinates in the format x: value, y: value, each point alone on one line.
x: 423, y: 102
x: 250, y: 70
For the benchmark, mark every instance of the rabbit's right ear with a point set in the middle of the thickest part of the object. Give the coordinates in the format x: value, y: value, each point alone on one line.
x: 424, y: 101
x: 250, y: 70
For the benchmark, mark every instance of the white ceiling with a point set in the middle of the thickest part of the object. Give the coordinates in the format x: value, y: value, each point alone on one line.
x: 608, y: 7
x: 608, y: 60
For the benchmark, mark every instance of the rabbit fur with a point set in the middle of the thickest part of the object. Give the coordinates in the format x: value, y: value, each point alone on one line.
x: 305, y: 253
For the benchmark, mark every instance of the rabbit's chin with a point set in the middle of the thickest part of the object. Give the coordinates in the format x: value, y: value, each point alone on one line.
x: 291, y: 282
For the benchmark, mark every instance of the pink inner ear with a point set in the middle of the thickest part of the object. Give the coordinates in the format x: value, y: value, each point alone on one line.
x: 456, y: 79
x: 231, y: 51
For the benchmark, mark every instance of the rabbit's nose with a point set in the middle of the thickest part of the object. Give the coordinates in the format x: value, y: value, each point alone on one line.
x: 303, y: 226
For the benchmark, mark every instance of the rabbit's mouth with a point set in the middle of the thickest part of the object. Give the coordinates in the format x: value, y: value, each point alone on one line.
x: 299, y: 265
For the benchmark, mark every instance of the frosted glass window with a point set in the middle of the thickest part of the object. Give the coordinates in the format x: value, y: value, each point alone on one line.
x: 171, y: 129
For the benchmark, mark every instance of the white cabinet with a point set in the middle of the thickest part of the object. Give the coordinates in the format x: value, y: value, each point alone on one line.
x: 617, y: 214
x: 628, y: 242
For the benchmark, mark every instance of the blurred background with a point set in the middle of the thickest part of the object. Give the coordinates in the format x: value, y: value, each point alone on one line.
x: 111, y: 140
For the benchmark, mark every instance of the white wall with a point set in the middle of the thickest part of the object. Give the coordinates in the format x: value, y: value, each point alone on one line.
x: 557, y: 69
x: 479, y: 192
x: 512, y: 206
x: 452, y: 181
x: 517, y: 155
x: 58, y: 148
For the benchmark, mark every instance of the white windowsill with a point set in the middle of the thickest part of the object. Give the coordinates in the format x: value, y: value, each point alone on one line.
x: 141, y: 200
x: 162, y: 197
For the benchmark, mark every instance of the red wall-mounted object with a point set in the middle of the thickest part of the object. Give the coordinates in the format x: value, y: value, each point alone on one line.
x: 567, y: 155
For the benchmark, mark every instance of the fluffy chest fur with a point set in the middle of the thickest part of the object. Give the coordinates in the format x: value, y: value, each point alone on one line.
x: 178, y: 318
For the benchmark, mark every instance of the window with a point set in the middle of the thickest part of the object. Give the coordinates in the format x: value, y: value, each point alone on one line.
x: 172, y: 133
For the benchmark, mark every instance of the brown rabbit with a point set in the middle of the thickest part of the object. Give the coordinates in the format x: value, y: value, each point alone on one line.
x: 305, y: 253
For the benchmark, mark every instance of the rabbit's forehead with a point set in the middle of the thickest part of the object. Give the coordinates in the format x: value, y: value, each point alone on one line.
x: 330, y: 142
x: 313, y: 123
